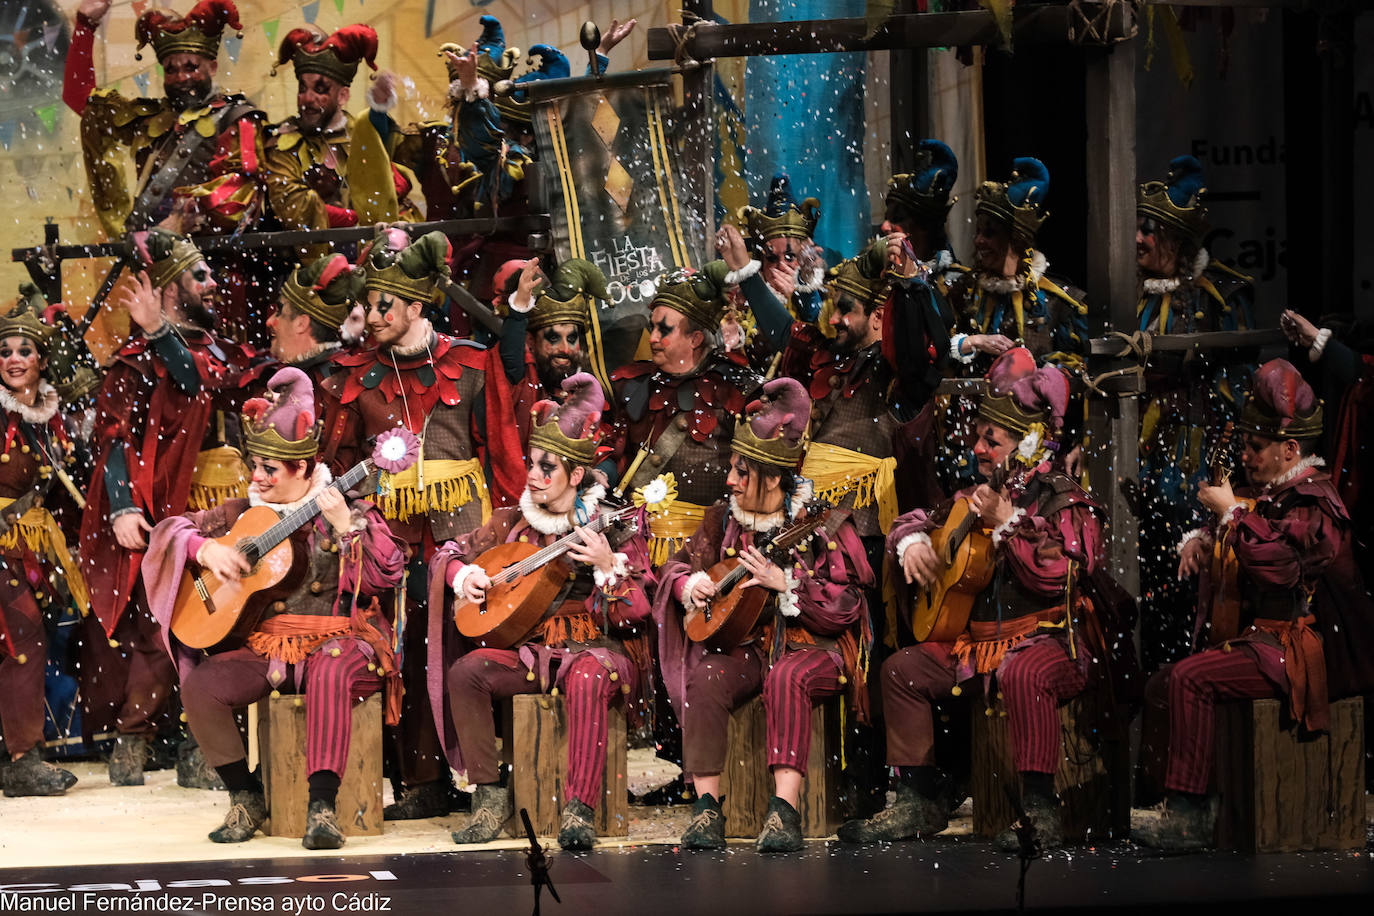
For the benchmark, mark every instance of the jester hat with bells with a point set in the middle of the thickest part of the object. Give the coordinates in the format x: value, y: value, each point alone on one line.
x: 699, y: 295
x: 572, y: 429
x: 781, y: 216
x: 553, y: 64
x: 168, y: 255
x: 864, y: 276
x: 282, y: 425
x: 413, y: 271
x: 926, y: 189
x: 1026, y: 401
x: 495, y: 61
x: 774, y: 425
x: 1176, y: 202
x: 198, y: 32
x: 570, y: 298
x: 25, y: 319
x: 336, y: 56
x: 1019, y: 203
x: 71, y: 369
x: 1281, y: 405
x: 325, y: 289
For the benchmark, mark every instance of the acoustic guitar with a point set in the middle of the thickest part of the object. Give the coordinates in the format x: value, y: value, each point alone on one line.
x: 1225, y: 568
x: 525, y: 580
x: 964, y: 546
x: 215, y: 613
x: 734, y: 612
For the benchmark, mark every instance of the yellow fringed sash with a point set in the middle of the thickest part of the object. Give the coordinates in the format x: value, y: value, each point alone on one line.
x: 836, y: 472
x: 219, y: 476
x: 42, y: 535
x: 670, y: 528
x: 447, y: 485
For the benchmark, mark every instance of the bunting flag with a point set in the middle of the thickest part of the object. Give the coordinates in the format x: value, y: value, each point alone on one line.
x: 233, y: 45
x: 7, y: 133
x: 311, y: 10
x: 48, y: 115
x: 141, y: 81
x: 338, y: 5
x: 139, y: 7
x: 270, y: 27
x: 50, y: 33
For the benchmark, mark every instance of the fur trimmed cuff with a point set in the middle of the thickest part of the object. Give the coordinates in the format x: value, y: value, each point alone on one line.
x: 906, y: 543
x: 1314, y: 352
x: 690, y: 584
x: 744, y: 273
x: 387, y: 102
x: 460, y: 578
x: 956, y: 349
x: 1229, y: 515
x: 608, y: 581
x: 1190, y: 536
x: 1007, y: 528
x: 457, y: 92
x: 523, y: 306
x: 787, y: 598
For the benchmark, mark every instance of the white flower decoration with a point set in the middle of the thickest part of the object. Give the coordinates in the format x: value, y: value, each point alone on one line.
x: 1029, y: 445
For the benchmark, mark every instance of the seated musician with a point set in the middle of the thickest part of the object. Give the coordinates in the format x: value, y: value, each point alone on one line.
x: 813, y: 635
x: 1046, y: 533
x: 591, y: 642
x: 327, y: 638
x: 1296, y: 529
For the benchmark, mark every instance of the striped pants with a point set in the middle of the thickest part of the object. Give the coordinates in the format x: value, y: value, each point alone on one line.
x: 485, y: 675
x: 21, y: 683
x: 1034, y: 679
x: 1191, y: 689
x: 222, y: 682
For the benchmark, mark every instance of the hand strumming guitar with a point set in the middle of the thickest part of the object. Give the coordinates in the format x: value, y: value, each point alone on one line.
x: 594, y: 550
x: 1192, y: 559
x: 225, y: 562
x: 991, y: 506
x: 765, y: 571
x: 921, y: 564
x: 335, y: 510
x: 1216, y: 499
x: 475, y: 586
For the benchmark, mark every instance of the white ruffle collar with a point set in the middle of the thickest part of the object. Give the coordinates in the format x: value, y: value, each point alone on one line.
x: 1158, y: 286
x: 1310, y: 461
x: 760, y: 522
x: 546, y: 522
x: 1038, y: 265
x: 320, y: 479
x: 43, y: 409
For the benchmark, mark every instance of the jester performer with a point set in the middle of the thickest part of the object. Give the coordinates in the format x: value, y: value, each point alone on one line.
x: 328, y: 636
x: 812, y: 639
x: 306, y: 326
x: 1182, y: 291
x: 434, y: 386
x: 780, y: 235
x: 37, y: 453
x: 1046, y: 537
x: 159, y: 451
x: 592, y: 642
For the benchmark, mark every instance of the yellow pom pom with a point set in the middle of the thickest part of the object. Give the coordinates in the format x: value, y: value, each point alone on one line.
x: 956, y: 691
x: 21, y: 658
x: 276, y: 694
x: 843, y: 680
x: 114, y: 644
x: 5, y: 458
x: 529, y: 675
x: 334, y: 653
x: 987, y: 711
x: 297, y: 702
x: 625, y: 689
x: 371, y: 666
x: 553, y: 692
x: 802, y: 546
x: 24, y: 449
x: 730, y: 551
x: 524, y: 539
x: 37, y: 596
x: 615, y: 675
x: 831, y: 545
x: 183, y: 717
x: 14, y: 583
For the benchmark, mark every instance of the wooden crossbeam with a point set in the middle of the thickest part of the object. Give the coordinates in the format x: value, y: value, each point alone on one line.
x: 1207, y: 340
x: 1031, y: 25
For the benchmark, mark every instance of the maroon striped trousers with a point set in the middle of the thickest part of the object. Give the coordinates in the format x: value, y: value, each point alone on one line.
x: 21, y: 683
x: 333, y: 684
x: 791, y: 687
x: 1034, y: 679
x: 485, y: 675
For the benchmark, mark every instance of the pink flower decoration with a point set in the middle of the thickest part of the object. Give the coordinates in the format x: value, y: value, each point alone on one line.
x: 396, y: 450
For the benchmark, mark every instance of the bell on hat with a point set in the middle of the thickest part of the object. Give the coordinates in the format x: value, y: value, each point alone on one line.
x: 1019, y: 204
x: 412, y: 270
x: 325, y: 289
x: 925, y: 190
x: 1281, y: 404
x: 782, y: 217
x: 198, y: 32
x: 168, y: 255
x: 571, y: 429
x: 282, y: 425
x: 700, y: 295
x: 1177, y: 201
x: 774, y: 426
x: 336, y: 56
x: 1021, y: 396
x: 553, y: 64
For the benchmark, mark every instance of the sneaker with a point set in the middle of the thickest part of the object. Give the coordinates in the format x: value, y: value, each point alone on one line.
x: 1184, y: 825
x: 322, y: 827
x: 127, y: 760
x: 247, y: 812
x: 193, y: 772
x: 1044, y: 817
x: 781, y: 828
x: 428, y: 799
x: 578, y: 831
x: 707, y: 829
x: 492, y: 807
x: 31, y: 775
x: 911, y: 815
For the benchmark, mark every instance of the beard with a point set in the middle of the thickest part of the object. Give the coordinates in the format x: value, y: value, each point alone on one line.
x: 193, y: 94
x: 201, y: 312
x: 551, y: 376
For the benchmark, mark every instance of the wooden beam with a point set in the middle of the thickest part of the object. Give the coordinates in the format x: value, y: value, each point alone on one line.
x: 1206, y: 340
x: 1032, y: 24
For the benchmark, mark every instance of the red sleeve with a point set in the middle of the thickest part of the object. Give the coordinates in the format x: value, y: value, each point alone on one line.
x: 78, y: 82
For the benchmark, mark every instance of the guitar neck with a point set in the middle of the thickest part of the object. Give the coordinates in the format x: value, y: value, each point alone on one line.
x: 548, y: 554
x: 789, y: 537
x: 305, y: 514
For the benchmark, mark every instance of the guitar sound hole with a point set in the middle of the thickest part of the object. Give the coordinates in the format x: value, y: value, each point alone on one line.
x: 249, y: 550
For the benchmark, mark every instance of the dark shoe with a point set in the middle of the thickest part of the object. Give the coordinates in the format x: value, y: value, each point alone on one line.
x: 428, y: 799
x: 911, y: 815
x: 1044, y: 817
x: 1183, y: 826
x: 127, y: 760
x: 247, y: 812
x: 30, y: 775
x: 193, y: 772
x: 781, y: 828
x: 492, y: 806
x: 577, y: 831
x: 707, y: 830
x: 321, y: 827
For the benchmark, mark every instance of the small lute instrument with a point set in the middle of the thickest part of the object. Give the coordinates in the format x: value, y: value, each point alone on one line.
x: 525, y: 580
x: 734, y: 611
x: 942, y: 607
x: 211, y: 612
